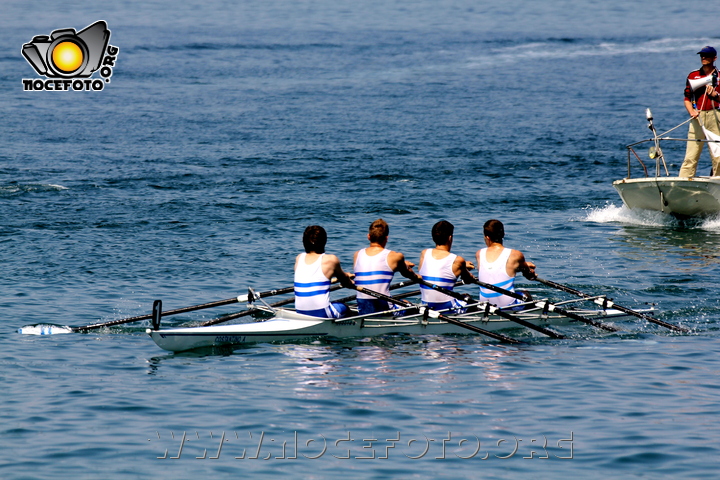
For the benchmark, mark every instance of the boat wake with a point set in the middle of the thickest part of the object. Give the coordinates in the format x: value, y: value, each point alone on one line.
x: 502, y: 53
x: 19, y: 189
x: 612, y: 214
x: 646, y: 218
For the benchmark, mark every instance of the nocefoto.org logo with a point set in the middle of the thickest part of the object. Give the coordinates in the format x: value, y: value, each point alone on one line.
x: 68, y: 59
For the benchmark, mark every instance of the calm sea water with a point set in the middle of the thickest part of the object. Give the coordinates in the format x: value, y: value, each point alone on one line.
x: 226, y: 129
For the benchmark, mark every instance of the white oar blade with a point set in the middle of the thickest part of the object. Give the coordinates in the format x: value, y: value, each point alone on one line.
x: 44, y: 329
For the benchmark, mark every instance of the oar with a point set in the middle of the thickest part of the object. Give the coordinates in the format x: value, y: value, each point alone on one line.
x: 239, y: 299
x: 233, y: 316
x: 219, y: 303
x: 494, y: 310
x: 435, y: 314
x: 394, y: 286
x: 550, y: 306
x: 606, y: 303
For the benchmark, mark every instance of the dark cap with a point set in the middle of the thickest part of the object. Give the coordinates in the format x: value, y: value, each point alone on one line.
x: 708, y: 51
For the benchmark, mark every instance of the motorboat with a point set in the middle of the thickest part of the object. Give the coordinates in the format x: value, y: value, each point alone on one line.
x: 678, y: 196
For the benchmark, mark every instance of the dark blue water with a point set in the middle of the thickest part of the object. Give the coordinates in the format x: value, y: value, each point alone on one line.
x: 226, y: 129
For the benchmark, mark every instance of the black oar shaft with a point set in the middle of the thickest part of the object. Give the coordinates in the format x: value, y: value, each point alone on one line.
x: 271, y: 293
x: 495, y: 310
x: 561, y: 311
x: 495, y: 288
x: 391, y: 287
x: 609, y: 303
x: 575, y: 316
x: 444, y: 318
x: 192, y: 308
x: 233, y: 316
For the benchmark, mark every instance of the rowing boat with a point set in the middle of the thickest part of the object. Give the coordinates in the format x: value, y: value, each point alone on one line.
x: 286, y: 325
x: 678, y: 196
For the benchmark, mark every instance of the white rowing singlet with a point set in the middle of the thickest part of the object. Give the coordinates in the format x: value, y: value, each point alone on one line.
x: 312, y: 289
x: 373, y: 272
x: 495, y: 273
x: 438, y: 272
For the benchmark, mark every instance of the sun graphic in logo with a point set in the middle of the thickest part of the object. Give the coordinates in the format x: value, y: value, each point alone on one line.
x: 67, y: 56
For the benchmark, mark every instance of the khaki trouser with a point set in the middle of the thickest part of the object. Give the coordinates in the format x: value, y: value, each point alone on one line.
x: 711, y: 120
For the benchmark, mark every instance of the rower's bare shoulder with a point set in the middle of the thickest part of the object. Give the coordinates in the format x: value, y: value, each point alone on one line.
x: 330, y: 259
x: 459, y: 260
x: 395, y: 257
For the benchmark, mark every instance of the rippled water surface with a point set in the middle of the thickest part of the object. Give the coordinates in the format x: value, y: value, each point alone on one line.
x: 226, y: 129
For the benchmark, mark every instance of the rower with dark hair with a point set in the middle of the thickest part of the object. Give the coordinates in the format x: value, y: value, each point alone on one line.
x: 375, y: 266
x: 498, y: 265
x: 313, y: 271
x: 442, y: 268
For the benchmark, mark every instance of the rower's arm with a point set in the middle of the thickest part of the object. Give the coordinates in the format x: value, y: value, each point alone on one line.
x: 344, y: 278
x: 397, y: 262
x: 519, y: 264
x: 461, y: 269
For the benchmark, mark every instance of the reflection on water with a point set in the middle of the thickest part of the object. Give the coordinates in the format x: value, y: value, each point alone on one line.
x: 388, y: 365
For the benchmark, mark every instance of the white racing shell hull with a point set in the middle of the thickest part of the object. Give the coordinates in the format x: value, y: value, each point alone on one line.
x: 287, y: 325
x: 678, y: 196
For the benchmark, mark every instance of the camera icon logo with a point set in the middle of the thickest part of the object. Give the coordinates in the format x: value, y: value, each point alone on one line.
x: 66, y: 53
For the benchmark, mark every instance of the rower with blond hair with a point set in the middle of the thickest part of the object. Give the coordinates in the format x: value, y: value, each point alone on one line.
x: 374, y: 267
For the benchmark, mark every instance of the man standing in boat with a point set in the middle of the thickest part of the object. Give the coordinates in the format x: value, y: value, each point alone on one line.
x: 442, y: 268
x: 498, y: 265
x: 313, y: 271
x: 375, y: 266
x: 702, y: 105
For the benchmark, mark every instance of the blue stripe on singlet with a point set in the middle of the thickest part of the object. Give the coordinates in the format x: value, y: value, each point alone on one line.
x: 324, y: 288
x: 492, y: 294
x: 377, y: 281
x: 446, y: 283
x: 367, y: 274
x: 313, y: 284
x: 310, y: 294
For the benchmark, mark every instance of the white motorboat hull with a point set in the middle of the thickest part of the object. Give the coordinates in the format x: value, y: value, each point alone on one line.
x: 678, y: 196
x: 287, y: 325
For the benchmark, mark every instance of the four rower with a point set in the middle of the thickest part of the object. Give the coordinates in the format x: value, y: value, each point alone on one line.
x: 375, y: 266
